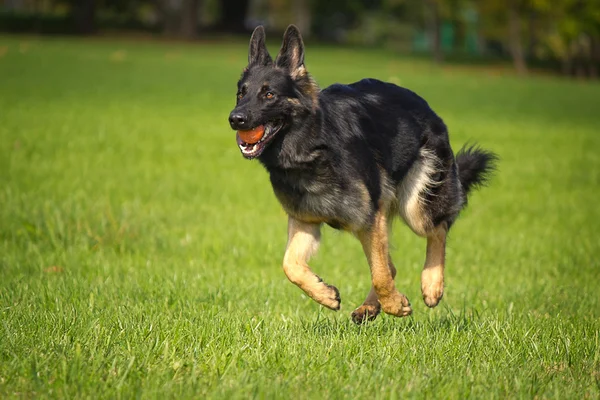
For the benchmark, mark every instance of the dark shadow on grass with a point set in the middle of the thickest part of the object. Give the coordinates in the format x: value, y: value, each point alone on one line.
x: 466, y: 320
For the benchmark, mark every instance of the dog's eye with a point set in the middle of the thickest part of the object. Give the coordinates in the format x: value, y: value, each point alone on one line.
x: 269, y: 95
x: 239, y: 96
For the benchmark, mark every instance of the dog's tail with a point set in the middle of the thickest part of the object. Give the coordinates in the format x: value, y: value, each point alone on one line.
x: 475, y: 166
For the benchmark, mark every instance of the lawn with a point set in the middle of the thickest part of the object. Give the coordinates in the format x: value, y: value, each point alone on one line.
x: 140, y: 254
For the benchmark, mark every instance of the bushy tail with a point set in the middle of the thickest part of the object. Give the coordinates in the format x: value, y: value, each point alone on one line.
x: 475, y: 166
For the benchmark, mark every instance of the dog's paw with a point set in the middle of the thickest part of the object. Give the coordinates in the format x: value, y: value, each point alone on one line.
x: 432, y: 296
x: 432, y: 287
x: 365, y: 313
x: 329, y: 296
x: 397, y: 305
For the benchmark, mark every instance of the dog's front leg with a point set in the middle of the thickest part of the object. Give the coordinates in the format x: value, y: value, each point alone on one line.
x: 303, y: 242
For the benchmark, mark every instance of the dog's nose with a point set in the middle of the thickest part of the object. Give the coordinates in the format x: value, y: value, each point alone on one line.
x: 238, y: 120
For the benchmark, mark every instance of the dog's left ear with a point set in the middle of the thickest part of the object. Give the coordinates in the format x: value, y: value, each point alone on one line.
x: 291, y: 55
x: 258, y: 53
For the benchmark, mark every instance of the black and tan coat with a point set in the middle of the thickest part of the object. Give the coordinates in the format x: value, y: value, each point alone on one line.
x: 353, y: 157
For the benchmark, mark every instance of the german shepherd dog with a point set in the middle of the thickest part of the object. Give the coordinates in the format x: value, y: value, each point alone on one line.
x: 353, y: 157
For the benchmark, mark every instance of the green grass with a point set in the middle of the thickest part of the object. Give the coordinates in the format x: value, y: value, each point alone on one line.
x: 140, y: 253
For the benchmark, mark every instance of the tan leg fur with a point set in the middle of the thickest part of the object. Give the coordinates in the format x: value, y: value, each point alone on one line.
x: 303, y: 242
x: 375, y: 245
x: 432, y: 277
x: 370, y: 308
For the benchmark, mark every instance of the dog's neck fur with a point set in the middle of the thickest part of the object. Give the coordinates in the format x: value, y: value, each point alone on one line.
x: 308, y: 87
x: 291, y: 150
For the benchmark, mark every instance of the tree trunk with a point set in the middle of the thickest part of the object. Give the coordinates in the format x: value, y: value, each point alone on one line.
x: 580, y: 58
x: 595, y: 57
x: 567, y: 61
x: 233, y: 15
x: 84, y: 15
x: 302, y: 16
x: 170, y: 16
x: 514, y: 33
x: 435, y: 30
x: 533, y: 33
x: 179, y: 17
x: 189, y: 18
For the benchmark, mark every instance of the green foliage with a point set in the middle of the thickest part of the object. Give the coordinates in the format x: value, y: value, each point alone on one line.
x: 567, y: 22
x: 140, y: 253
x: 563, y: 29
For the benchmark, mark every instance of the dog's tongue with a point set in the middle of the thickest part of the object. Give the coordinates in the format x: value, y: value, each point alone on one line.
x: 253, y: 135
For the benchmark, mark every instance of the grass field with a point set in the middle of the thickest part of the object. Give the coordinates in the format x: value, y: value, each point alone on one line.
x: 140, y: 253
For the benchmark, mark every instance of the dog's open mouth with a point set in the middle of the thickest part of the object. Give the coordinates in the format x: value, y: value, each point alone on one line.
x: 253, y: 142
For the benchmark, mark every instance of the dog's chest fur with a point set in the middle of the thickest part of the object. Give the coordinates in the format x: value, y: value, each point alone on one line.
x: 313, y: 193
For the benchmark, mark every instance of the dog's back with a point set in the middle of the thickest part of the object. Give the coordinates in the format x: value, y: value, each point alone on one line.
x: 392, y: 121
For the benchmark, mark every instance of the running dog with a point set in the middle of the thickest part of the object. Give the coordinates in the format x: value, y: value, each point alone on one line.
x: 353, y: 157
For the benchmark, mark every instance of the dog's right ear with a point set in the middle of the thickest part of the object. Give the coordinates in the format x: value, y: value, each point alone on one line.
x: 258, y: 53
x: 291, y: 55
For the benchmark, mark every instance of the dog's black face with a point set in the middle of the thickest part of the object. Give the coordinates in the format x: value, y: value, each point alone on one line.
x: 268, y: 93
x: 262, y: 96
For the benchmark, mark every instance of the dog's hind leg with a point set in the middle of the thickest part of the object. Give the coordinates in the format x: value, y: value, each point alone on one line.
x: 370, y: 308
x: 303, y: 242
x: 432, y: 277
x: 375, y: 244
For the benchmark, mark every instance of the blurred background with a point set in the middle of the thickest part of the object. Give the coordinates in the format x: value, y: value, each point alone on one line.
x: 556, y: 36
x: 140, y: 254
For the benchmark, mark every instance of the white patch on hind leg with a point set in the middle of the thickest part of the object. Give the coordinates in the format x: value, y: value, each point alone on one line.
x: 411, y: 192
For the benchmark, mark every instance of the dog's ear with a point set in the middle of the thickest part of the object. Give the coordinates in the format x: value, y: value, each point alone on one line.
x: 291, y: 55
x: 258, y: 53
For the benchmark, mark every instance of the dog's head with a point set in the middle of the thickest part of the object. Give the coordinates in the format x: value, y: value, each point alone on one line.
x: 270, y: 94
